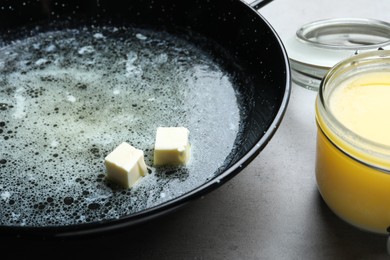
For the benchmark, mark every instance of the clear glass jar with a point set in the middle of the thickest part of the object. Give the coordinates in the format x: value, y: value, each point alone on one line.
x: 352, y: 166
x: 319, y: 45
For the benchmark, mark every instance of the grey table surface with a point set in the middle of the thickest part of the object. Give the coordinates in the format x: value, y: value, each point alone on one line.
x: 271, y: 210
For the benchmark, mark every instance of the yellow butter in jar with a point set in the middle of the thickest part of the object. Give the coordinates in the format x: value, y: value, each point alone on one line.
x: 353, y: 140
x: 362, y: 104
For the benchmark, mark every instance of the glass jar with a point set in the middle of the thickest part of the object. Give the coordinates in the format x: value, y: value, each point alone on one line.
x: 319, y: 45
x: 352, y: 162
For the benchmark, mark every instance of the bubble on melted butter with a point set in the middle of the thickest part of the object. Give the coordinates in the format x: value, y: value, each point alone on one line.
x: 71, y: 96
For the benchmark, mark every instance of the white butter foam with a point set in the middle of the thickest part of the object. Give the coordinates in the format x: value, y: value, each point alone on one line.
x: 79, y: 94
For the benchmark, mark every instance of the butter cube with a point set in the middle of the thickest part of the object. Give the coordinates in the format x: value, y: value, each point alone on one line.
x: 171, y: 146
x: 125, y: 165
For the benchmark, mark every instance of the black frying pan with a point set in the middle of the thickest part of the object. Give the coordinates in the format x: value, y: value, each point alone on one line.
x: 79, y: 78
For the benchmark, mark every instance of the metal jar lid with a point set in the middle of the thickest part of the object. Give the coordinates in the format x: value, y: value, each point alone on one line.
x: 319, y: 45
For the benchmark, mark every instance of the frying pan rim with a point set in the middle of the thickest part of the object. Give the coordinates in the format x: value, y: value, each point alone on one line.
x: 196, y: 193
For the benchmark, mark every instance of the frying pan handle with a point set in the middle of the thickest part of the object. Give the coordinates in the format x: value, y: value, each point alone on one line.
x: 257, y: 4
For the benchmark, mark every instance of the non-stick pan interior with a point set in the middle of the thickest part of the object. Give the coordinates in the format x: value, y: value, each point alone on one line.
x: 77, y: 80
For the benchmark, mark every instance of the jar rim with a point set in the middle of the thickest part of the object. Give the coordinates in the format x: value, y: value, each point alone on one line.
x: 365, y: 62
x: 346, y: 33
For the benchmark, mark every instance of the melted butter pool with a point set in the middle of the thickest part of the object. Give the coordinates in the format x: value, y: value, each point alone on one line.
x: 69, y: 97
